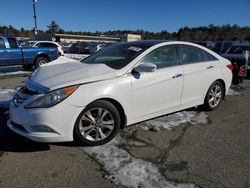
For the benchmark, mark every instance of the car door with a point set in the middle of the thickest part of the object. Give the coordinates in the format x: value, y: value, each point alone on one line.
x: 199, y: 71
x: 14, y: 53
x: 155, y: 92
x: 3, y: 53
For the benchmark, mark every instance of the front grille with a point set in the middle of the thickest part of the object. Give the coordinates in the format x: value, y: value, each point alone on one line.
x: 22, y: 95
x: 18, y: 126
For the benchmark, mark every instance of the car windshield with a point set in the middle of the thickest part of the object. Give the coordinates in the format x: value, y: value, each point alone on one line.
x: 116, y: 56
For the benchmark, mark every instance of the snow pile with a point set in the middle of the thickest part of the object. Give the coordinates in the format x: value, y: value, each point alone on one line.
x: 129, y: 171
x: 173, y: 120
x: 5, y: 96
x: 233, y: 92
x: 76, y: 56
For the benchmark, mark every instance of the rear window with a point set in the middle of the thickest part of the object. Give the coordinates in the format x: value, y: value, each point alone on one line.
x: 12, y: 43
x: 238, y: 49
x: 2, y: 44
x: 46, y: 45
x: 191, y: 54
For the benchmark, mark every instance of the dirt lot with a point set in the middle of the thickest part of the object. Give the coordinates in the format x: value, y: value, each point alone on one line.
x: 212, y: 154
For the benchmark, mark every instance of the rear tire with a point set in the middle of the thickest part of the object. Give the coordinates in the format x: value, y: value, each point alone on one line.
x: 97, y: 124
x: 236, y: 80
x: 40, y: 61
x: 214, y: 96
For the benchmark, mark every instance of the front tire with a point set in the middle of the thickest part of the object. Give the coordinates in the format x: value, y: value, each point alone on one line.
x: 214, y: 96
x: 98, y: 123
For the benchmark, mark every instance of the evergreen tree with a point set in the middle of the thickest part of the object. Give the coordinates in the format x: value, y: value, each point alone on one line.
x: 53, y: 27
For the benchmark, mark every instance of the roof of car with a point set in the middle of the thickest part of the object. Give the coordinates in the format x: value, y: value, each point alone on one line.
x: 242, y: 45
x: 148, y: 42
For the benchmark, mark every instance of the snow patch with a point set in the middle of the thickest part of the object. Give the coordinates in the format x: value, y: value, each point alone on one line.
x: 6, y: 96
x: 170, y: 121
x: 233, y: 92
x: 129, y: 171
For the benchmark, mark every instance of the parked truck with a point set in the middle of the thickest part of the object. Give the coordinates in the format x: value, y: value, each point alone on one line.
x: 12, y: 54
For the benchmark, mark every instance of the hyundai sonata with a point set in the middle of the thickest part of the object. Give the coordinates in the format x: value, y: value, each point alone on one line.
x: 121, y: 85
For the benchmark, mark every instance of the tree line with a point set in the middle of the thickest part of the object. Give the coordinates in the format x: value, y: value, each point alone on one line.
x: 205, y: 33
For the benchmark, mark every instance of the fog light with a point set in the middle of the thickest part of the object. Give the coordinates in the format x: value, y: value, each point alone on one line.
x: 42, y: 128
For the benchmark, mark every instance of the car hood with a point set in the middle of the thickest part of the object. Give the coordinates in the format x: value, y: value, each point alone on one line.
x: 57, y: 75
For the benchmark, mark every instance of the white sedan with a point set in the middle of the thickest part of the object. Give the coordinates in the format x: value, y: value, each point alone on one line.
x: 121, y: 85
x: 44, y: 44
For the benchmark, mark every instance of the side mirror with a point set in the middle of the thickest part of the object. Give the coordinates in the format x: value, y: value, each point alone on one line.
x: 146, y: 67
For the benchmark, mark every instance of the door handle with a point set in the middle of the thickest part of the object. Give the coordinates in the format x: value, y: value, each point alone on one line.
x: 177, y: 75
x: 210, y: 67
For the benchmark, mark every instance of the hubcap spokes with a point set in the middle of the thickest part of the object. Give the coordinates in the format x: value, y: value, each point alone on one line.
x: 42, y: 62
x: 215, y: 96
x: 96, y: 124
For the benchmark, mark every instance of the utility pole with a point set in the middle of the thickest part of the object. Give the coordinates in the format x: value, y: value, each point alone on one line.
x: 34, y: 10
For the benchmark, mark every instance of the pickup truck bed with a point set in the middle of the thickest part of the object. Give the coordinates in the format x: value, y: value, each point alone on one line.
x: 11, y: 54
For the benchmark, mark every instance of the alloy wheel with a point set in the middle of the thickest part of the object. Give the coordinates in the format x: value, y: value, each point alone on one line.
x: 215, y: 96
x: 96, y: 124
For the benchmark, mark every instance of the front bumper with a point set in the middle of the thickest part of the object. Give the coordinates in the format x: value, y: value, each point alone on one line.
x: 54, y: 124
x: 36, y: 136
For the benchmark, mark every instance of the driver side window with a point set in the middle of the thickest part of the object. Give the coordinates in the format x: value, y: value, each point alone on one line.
x: 162, y: 57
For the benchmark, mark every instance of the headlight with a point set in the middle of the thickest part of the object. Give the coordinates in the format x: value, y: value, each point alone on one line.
x: 52, y: 98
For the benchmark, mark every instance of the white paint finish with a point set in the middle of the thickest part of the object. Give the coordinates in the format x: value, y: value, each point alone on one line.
x: 156, y: 91
x: 198, y: 77
x: 56, y: 76
x: 151, y: 95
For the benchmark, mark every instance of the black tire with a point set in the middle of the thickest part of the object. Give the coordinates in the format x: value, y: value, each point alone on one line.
x: 209, y: 103
x: 236, y: 80
x: 41, y: 61
x: 240, y: 79
x: 89, y: 132
x: 27, y: 67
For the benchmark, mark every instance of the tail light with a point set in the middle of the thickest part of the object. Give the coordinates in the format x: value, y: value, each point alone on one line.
x: 235, y: 66
x: 230, y: 66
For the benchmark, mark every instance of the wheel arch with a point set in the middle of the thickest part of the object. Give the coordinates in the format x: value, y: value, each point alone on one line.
x: 223, y: 84
x: 119, y: 108
x: 41, y: 55
x: 205, y: 105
